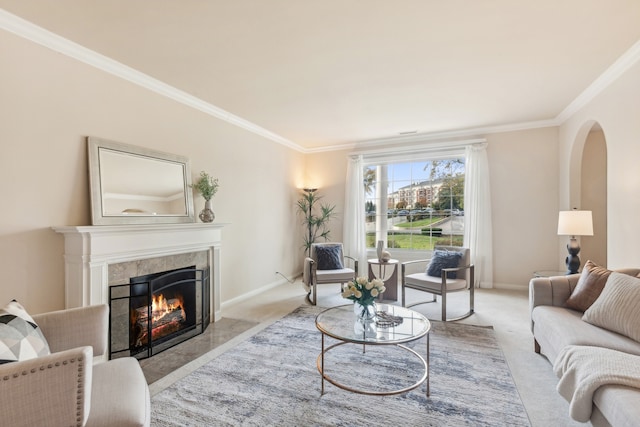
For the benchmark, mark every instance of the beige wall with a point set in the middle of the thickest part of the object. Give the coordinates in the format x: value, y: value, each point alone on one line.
x: 616, y: 109
x: 524, y: 193
x: 328, y: 172
x: 51, y: 103
x: 593, y: 195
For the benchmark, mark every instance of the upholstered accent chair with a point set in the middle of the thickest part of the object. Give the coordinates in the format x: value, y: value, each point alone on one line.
x: 326, y: 265
x: 449, y: 270
x: 68, y: 387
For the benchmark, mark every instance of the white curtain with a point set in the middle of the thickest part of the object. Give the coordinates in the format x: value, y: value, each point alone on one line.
x: 477, y: 214
x: 354, y: 233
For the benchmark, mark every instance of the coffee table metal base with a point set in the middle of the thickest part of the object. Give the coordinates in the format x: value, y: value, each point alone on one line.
x: 425, y: 376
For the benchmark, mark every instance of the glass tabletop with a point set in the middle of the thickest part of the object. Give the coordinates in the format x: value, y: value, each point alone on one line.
x: 340, y: 322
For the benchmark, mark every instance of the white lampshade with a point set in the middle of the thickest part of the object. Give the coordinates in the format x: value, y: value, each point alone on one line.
x: 575, y: 223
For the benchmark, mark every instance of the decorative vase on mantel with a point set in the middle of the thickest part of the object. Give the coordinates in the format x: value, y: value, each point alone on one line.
x: 206, y: 214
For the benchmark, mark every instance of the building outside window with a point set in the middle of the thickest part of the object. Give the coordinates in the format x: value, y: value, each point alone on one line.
x: 415, y: 205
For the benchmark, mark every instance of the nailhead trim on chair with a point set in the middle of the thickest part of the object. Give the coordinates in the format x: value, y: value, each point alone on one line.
x: 43, y: 367
x: 80, y: 407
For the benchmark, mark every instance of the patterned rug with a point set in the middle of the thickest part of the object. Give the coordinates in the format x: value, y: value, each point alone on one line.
x: 271, y: 379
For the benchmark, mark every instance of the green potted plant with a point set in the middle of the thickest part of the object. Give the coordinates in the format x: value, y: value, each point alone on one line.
x: 207, y: 186
x: 316, y: 220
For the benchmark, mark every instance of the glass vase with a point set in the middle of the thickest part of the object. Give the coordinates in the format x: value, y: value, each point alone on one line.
x: 207, y: 215
x: 364, y: 313
x: 365, y: 329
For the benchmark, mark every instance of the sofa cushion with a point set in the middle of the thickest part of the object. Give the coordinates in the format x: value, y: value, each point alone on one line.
x: 556, y: 327
x: 443, y: 259
x: 20, y: 337
x: 329, y: 257
x: 589, y: 286
x: 433, y: 284
x: 341, y: 275
x: 617, y: 404
x: 616, y: 309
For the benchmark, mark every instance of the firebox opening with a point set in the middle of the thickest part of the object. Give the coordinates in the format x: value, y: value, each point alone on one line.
x: 163, y: 303
x: 164, y: 309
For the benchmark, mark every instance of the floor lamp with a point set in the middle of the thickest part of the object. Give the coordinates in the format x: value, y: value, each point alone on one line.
x: 574, y: 223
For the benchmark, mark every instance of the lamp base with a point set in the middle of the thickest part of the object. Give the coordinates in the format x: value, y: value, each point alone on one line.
x: 573, y: 260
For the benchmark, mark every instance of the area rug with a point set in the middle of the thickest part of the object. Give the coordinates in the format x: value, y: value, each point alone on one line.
x: 271, y: 379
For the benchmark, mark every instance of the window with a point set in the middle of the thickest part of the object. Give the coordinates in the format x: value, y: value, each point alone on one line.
x: 415, y: 205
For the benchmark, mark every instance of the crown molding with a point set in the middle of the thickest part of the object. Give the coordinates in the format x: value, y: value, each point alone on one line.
x: 326, y: 148
x: 27, y: 30
x: 611, y: 74
x: 453, y: 137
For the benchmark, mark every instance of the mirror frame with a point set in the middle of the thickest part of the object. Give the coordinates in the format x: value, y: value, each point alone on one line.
x: 95, y: 145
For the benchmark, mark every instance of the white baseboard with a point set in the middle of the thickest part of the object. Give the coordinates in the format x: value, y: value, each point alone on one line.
x: 510, y: 286
x: 256, y: 291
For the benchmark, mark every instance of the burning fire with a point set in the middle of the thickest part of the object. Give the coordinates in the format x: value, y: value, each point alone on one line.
x: 167, y: 316
x: 160, y: 306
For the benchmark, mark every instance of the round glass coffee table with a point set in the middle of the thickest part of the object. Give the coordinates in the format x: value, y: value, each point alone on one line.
x: 398, y: 326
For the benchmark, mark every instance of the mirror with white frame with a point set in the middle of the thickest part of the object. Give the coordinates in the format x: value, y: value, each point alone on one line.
x: 136, y: 185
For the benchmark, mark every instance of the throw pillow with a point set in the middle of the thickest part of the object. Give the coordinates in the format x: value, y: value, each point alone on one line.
x: 20, y: 337
x: 443, y: 259
x: 589, y: 287
x: 616, y: 309
x: 329, y: 257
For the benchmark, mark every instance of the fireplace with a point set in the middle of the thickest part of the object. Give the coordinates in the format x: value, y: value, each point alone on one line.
x: 156, y: 311
x: 100, y: 260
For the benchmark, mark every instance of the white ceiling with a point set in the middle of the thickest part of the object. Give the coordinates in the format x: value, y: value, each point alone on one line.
x: 332, y: 72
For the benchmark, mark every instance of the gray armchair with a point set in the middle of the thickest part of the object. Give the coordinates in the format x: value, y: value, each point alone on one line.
x: 66, y: 388
x: 442, y: 285
x: 326, y: 265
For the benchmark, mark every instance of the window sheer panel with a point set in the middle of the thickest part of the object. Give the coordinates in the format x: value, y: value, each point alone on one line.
x: 354, y: 227
x: 478, y: 224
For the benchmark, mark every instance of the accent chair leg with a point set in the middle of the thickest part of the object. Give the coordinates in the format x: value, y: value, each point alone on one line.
x: 472, y: 287
x: 315, y: 295
x: 308, y: 297
x: 471, y: 299
x: 443, y: 302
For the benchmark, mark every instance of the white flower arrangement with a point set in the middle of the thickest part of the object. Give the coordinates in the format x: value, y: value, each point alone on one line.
x: 363, y: 291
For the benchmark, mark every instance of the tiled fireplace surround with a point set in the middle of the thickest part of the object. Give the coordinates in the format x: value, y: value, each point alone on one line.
x: 97, y: 257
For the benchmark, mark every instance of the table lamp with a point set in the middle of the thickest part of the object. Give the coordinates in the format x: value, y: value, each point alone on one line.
x: 574, y: 223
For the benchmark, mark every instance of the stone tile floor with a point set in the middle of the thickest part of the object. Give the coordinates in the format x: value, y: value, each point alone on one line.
x: 170, y: 360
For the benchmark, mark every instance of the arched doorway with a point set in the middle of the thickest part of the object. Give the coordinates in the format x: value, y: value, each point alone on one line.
x: 589, y: 188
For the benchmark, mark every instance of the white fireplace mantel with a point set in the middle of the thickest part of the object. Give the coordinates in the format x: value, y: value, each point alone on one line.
x: 89, y: 250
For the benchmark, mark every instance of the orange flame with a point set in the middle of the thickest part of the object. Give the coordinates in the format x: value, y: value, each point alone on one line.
x: 161, y: 306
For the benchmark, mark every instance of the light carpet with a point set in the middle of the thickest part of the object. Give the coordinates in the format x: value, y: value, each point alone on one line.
x: 271, y: 379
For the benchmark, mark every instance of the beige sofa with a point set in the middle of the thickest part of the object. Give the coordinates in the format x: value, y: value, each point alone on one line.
x: 555, y: 326
x: 66, y: 388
